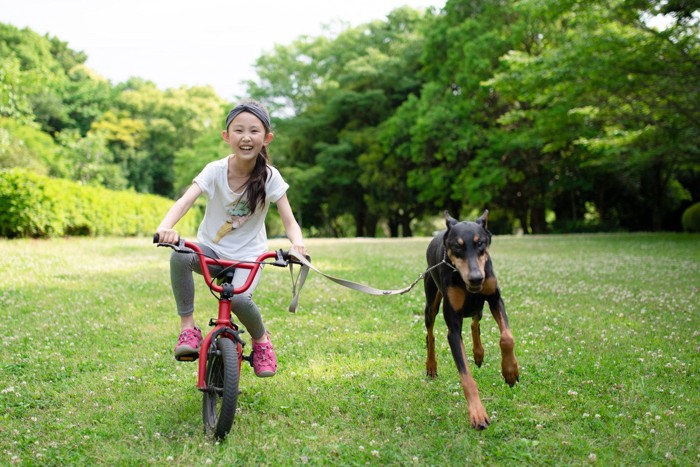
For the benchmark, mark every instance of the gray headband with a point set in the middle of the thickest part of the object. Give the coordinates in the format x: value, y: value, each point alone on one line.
x: 251, y: 108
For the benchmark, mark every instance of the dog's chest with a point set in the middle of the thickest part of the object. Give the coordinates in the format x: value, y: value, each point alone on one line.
x: 458, y: 300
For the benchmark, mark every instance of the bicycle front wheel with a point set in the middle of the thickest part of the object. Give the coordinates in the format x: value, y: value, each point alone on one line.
x: 221, y: 395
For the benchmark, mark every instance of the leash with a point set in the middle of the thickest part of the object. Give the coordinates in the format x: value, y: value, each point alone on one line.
x: 306, y: 266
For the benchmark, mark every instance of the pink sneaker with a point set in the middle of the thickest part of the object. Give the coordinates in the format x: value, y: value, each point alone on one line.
x: 264, y: 359
x: 188, y: 343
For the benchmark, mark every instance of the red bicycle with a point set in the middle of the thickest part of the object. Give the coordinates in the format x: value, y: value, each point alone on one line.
x: 221, y: 353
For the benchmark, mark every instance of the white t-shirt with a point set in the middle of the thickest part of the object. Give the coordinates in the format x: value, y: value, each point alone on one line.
x: 228, y: 228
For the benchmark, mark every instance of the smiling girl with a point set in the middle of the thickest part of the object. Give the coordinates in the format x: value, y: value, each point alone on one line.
x: 239, y: 191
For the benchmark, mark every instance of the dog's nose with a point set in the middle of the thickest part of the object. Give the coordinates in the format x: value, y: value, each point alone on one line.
x: 475, y: 278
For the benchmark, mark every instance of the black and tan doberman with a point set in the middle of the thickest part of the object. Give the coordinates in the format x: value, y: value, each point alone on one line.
x: 463, y: 279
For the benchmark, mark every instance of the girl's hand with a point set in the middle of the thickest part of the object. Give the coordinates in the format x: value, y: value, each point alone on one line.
x: 299, y: 248
x: 167, y: 235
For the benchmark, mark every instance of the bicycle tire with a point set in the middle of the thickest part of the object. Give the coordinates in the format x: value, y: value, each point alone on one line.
x: 221, y: 396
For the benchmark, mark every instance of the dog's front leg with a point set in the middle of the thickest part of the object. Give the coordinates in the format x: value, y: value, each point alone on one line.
x: 477, y: 347
x: 432, y: 306
x: 477, y: 412
x: 509, y: 364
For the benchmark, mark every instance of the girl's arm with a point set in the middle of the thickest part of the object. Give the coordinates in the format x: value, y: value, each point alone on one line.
x: 166, y: 229
x: 290, y: 225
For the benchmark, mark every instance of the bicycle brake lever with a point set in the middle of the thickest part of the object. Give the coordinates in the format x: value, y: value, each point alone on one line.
x: 280, y: 261
x: 178, y: 246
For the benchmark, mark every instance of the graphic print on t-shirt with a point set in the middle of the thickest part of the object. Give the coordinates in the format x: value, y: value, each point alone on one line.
x: 238, y: 214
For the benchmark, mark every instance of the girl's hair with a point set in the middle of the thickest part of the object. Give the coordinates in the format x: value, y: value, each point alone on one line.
x: 255, y: 186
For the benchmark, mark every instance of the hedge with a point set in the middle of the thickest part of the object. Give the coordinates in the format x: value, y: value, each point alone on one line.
x: 691, y: 218
x: 33, y: 205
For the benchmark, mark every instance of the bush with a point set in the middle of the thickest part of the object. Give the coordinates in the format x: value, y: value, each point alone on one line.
x: 691, y: 218
x: 37, y: 206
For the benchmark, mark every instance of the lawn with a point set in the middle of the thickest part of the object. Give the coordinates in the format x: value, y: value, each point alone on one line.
x: 607, y: 331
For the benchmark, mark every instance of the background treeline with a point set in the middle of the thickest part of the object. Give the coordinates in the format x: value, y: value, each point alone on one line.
x: 558, y: 116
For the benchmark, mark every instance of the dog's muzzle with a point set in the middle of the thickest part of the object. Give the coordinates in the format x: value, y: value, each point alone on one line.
x: 475, y: 286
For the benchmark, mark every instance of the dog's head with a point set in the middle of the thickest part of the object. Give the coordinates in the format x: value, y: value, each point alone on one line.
x: 467, y: 248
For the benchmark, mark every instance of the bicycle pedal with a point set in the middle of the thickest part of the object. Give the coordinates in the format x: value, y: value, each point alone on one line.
x: 187, y: 358
x: 248, y: 358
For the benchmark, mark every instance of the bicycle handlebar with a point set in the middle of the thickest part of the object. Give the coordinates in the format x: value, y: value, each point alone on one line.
x: 282, y: 259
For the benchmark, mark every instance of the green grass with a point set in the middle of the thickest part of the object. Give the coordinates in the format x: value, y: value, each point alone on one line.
x: 607, y: 331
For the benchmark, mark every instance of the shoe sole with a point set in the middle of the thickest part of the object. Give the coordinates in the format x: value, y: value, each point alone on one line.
x: 187, y: 354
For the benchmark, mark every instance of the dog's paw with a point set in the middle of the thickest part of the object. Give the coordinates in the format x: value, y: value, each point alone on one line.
x: 431, y: 368
x: 478, y: 418
x: 510, y: 371
x: 478, y: 356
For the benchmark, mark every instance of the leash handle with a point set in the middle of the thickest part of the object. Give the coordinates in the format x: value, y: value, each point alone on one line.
x: 299, y: 283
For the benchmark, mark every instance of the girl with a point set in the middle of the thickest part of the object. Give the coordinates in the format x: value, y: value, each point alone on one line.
x: 239, y: 190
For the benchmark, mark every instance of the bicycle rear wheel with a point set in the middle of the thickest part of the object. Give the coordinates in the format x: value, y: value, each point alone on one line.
x: 221, y: 395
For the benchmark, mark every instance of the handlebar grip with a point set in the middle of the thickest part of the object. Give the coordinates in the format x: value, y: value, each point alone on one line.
x: 156, y: 239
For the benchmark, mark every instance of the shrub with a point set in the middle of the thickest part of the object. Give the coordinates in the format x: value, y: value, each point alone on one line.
x: 691, y: 218
x: 33, y: 205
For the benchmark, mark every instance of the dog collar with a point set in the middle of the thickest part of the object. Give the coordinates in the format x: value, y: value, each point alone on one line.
x: 447, y: 262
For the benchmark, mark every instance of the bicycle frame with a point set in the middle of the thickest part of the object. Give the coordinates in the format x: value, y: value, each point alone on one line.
x: 224, y: 324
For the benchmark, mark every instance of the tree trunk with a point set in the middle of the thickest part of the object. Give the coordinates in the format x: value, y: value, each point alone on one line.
x: 406, y: 224
x: 393, y: 227
x: 371, y: 226
x: 522, y: 218
x: 538, y: 221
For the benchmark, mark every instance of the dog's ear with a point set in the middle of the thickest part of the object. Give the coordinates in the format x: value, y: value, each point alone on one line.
x: 449, y: 220
x: 483, y: 220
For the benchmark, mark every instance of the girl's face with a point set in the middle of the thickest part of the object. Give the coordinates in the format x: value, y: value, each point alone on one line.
x: 246, y: 136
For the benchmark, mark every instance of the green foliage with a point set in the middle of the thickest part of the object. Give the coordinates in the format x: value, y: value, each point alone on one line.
x: 542, y: 111
x: 174, y: 120
x: 90, y: 161
x: 37, y: 53
x: 190, y: 160
x: 24, y: 145
x: 342, y: 90
x: 628, y: 130
x: 496, y: 113
x: 39, y: 206
x: 122, y: 136
x: 84, y: 96
x: 14, y: 102
x: 691, y: 218
x: 33, y: 71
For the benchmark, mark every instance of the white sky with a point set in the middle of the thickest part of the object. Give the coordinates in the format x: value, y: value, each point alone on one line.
x: 189, y: 42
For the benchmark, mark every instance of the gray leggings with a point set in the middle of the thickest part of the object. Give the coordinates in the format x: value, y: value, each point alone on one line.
x: 181, y: 267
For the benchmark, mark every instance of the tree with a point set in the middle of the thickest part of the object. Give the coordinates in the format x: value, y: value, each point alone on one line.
x: 455, y: 111
x: 339, y: 91
x: 172, y: 120
x: 24, y: 145
x: 118, y: 136
x: 608, y: 96
x: 91, y: 161
x: 14, y: 102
